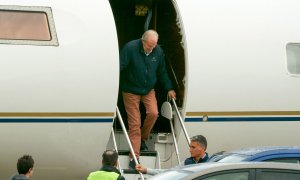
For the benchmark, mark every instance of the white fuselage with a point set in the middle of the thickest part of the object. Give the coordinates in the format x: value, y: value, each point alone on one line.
x: 237, y: 73
x: 57, y: 102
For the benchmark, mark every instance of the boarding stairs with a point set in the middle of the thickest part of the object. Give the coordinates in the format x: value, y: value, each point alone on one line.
x: 157, y: 143
x: 148, y: 159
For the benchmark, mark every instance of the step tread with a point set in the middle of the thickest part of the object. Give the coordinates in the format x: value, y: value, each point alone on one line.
x: 142, y: 153
x: 130, y: 171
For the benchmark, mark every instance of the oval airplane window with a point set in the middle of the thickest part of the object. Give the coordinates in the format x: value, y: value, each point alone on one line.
x: 14, y: 25
x: 293, y: 54
x: 27, y: 25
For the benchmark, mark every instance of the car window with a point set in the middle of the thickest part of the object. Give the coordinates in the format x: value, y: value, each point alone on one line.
x: 278, y: 175
x: 227, y: 176
x: 233, y: 158
x: 215, y: 157
x: 285, y: 160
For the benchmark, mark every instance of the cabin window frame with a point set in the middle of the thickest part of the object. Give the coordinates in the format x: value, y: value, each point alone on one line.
x: 293, y: 58
x: 53, y: 41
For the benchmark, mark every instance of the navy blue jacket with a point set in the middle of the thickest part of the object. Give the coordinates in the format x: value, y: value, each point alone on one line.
x: 139, y: 73
x: 191, y: 160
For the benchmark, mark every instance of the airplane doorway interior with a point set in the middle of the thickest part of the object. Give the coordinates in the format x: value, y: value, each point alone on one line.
x: 132, y: 18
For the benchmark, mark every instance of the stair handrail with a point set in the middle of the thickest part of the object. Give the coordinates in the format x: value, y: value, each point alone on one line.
x: 115, y: 146
x: 181, y: 121
x: 128, y: 140
x: 174, y: 141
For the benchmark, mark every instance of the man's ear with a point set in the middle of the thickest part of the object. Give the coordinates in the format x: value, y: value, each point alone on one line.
x: 30, y: 172
x: 116, y: 164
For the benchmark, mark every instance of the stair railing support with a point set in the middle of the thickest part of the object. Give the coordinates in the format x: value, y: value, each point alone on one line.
x: 175, y: 142
x: 181, y: 122
x: 166, y: 111
x: 115, y: 146
x: 128, y: 140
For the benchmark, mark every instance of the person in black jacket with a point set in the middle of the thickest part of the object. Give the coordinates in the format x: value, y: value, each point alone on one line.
x: 108, y: 170
x: 142, y: 65
x: 198, y: 153
x: 25, y: 168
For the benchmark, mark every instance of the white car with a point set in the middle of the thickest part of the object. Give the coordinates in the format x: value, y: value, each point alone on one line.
x: 233, y: 171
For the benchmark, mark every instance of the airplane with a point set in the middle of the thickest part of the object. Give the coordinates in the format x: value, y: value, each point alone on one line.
x: 234, y: 65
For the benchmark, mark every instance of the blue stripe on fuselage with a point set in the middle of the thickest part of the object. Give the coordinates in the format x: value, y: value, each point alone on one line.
x: 241, y: 119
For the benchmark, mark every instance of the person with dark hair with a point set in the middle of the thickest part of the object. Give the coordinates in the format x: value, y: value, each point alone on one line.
x: 25, y: 168
x: 198, y: 153
x: 142, y: 65
x: 108, y: 170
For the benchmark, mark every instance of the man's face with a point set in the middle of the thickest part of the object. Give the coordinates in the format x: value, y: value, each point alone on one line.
x: 149, y: 45
x: 196, y: 150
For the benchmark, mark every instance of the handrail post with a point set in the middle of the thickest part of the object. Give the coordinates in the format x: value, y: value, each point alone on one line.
x: 181, y: 122
x: 174, y: 140
x: 115, y: 146
x: 128, y: 140
x: 166, y: 111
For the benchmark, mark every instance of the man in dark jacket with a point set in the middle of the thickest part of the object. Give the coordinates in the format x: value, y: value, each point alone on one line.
x: 25, y: 168
x: 142, y: 64
x: 198, y: 152
x: 108, y: 170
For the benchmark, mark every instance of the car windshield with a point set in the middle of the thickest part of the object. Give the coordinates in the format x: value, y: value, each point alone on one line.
x: 232, y: 158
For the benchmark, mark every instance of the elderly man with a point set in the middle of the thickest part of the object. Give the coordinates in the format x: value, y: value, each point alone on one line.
x: 142, y: 64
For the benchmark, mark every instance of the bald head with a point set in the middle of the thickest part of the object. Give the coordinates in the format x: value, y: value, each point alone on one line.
x: 110, y: 157
x: 149, y: 39
x: 150, y: 34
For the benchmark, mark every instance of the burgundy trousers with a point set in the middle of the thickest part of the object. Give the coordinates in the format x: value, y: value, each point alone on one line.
x: 132, y: 107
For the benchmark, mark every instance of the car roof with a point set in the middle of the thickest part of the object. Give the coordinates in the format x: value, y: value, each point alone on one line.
x: 245, y: 165
x: 192, y: 171
x: 255, y: 150
x: 257, y: 154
